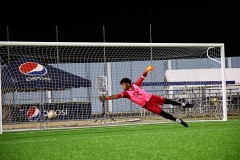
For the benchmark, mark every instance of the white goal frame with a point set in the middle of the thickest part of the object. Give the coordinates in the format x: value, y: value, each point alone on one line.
x: 99, y: 44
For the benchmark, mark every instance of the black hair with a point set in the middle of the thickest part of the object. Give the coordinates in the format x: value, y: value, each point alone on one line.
x: 125, y: 80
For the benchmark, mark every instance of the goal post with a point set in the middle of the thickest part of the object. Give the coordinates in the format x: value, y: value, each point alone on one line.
x: 40, y: 76
x: 223, y: 84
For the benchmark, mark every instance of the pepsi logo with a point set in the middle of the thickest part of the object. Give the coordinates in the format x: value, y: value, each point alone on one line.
x: 32, y: 69
x: 33, y: 113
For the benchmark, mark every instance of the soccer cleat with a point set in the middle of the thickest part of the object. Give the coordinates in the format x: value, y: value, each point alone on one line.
x: 186, y: 105
x: 184, y: 123
x: 189, y: 105
x: 183, y: 105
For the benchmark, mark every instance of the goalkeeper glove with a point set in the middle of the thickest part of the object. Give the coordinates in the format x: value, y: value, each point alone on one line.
x: 102, y: 98
x: 149, y: 68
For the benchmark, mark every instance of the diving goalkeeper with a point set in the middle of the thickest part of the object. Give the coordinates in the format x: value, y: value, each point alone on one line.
x: 149, y: 101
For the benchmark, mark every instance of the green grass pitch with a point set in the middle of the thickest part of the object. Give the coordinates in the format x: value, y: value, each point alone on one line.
x: 168, y: 141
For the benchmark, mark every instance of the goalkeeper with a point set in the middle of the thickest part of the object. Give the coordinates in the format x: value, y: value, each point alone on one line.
x: 149, y: 101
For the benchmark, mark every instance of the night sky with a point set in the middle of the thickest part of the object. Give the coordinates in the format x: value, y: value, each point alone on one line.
x: 171, y: 22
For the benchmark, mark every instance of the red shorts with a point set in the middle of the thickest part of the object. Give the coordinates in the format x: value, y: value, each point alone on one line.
x: 153, y: 104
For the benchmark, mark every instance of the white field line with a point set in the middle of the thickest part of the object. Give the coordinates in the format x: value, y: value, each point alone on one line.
x: 109, y: 136
x: 26, y: 131
x: 79, y: 128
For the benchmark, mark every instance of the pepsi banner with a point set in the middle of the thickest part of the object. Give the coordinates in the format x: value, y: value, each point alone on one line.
x: 28, y: 74
x: 32, y: 69
x: 39, y: 112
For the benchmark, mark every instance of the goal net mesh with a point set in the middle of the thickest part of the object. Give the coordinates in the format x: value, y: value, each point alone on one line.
x: 37, y: 79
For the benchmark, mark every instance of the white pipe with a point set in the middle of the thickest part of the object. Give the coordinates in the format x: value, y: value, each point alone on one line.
x: 109, y: 75
x: 224, y: 96
x: 229, y: 62
x: 49, y: 96
x: 211, y: 57
x: 168, y: 87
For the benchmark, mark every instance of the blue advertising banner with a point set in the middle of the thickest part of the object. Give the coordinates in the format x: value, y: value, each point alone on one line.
x: 39, y: 112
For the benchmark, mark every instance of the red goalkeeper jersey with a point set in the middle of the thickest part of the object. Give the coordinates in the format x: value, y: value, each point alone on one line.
x: 135, y: 93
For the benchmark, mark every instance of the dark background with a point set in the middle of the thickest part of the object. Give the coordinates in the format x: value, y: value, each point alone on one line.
x: 171, y: 22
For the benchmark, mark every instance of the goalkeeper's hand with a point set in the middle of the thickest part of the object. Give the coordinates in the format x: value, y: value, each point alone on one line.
x: 149, y: 69
x: 102, y: 98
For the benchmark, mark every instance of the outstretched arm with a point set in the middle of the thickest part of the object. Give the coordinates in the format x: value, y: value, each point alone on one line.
x: 124, y: 94
x: 104, y: 98
x: 140, y: 79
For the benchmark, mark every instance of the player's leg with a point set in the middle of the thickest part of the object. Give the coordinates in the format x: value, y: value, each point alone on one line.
x: 171, y: 117
x: 152, y: 105
x: 162, y: 100
x: 172, y: 102
x: 158, y: 110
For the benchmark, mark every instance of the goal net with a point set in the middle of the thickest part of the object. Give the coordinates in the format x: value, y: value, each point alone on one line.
x: 37, y: 77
